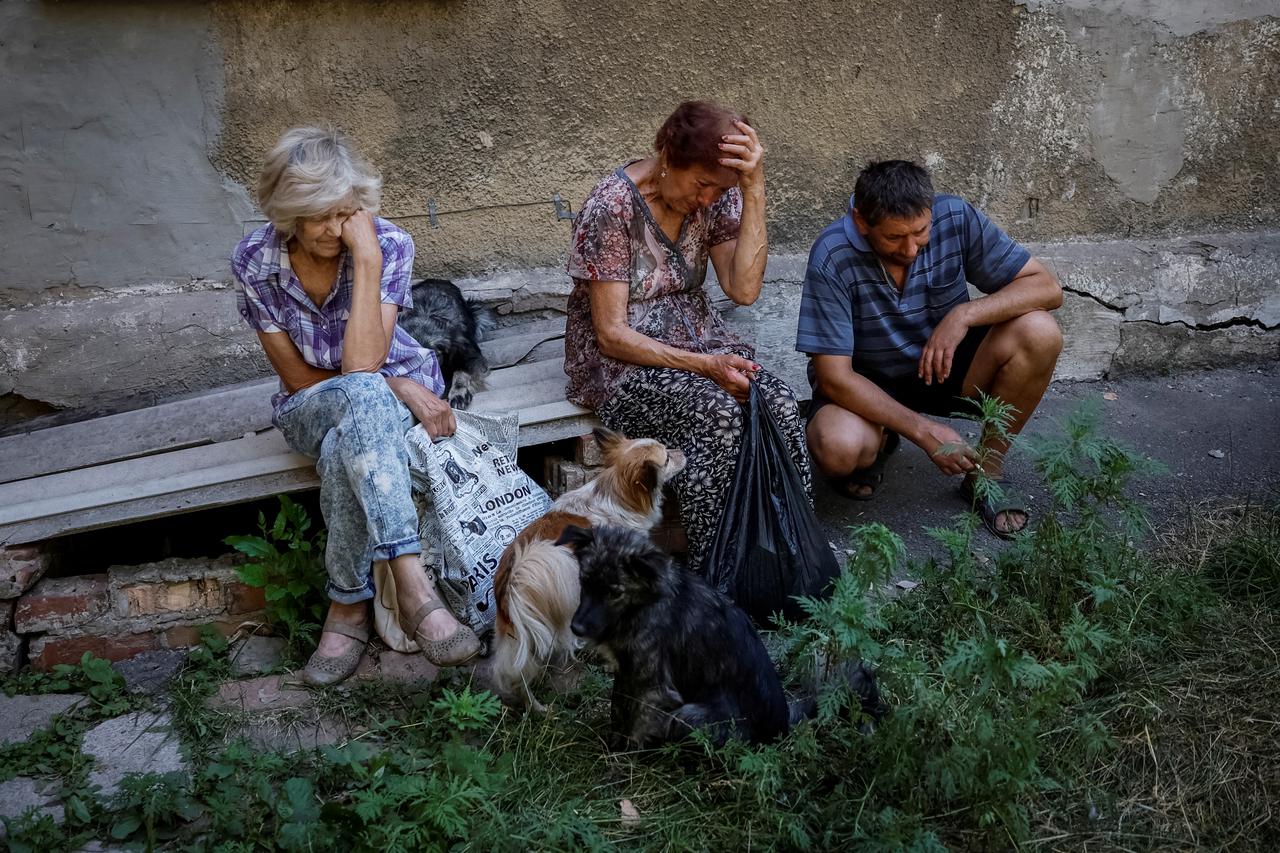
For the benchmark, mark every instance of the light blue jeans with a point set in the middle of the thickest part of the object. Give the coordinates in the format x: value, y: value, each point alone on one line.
x: 354, y: 427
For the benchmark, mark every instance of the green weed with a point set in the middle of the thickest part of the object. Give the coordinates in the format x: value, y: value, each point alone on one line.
x: 288, y: 563
x: 55, y: 750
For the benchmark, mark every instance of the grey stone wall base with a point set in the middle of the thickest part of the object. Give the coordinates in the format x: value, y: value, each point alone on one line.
x: 126, y: 350
x: 1154, y: 348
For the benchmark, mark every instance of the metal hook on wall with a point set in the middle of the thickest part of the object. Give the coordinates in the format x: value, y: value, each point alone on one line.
x: 563, y: 210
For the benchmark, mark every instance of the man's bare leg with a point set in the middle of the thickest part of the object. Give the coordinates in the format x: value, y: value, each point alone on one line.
x: 1014, y: 363
x: 841, y: 442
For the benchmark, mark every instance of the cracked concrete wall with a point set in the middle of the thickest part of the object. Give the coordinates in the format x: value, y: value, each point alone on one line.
x: 129, y: 131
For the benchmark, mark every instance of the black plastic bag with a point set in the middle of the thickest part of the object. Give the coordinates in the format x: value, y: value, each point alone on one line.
x: 769, y: 546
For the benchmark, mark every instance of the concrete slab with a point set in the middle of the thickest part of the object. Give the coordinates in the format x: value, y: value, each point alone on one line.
x: 398, y: 668
x: 20, y: 794
x: 22, y: 716
x: 268, y: 693
x: 151, y: 672
x: 293, y: 733
x: 256, y: 655
x: 140, y: 742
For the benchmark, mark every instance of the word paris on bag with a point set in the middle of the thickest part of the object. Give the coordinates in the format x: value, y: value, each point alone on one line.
x: 472, y: 500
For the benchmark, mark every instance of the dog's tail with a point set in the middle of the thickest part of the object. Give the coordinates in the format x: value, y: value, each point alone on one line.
x: 486, y: 320
x: 539, y: 600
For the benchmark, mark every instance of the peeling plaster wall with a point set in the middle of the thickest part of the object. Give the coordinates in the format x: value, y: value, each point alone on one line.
x: 129, y: 131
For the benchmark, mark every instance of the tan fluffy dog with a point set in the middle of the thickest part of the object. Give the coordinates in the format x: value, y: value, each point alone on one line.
x: 536, y: 586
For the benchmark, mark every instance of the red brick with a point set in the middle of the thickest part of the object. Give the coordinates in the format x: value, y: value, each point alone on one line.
x: 552, y: 481
x: 670, y: 537
x: 185, y: 636
x: 586, y: 451
x: 20, y: 567
x: 12, y: 646
x: 57, y: 603
x: 47, y: 651
x: 194, y: 596
x: 576, y: 476
x: 12, y: 650
x: 244, y: 598
x: 268, y: 693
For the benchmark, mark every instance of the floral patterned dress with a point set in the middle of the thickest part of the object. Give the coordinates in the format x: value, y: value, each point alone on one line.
x: 615, y: 238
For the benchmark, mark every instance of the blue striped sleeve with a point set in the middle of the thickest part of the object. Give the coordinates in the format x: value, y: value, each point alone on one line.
x: 991, y: 258
x: 826, y: 309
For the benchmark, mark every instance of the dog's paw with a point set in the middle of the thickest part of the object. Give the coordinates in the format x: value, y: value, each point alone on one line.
x: 463, y: 389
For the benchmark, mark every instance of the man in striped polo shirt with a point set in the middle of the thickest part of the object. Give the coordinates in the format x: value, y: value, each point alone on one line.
x: 894, y: 338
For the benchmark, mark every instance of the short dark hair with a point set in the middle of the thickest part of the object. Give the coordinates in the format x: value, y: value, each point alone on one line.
x: 897, y: 188
x: 691, y: 135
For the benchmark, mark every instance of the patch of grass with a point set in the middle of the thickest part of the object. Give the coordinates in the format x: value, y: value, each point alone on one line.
x: 1236, y: 548
x: 54, y: 751
x: 92, y: 676
x: 1197, y: 757
x: 203, y: 670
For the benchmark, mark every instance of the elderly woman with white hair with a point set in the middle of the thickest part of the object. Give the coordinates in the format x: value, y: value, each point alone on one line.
x: 322, y: 284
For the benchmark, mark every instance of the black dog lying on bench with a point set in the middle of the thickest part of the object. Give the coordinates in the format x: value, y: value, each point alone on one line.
x: 442, y: 319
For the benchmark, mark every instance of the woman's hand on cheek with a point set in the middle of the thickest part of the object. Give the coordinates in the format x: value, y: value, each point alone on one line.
x: 360, y: 235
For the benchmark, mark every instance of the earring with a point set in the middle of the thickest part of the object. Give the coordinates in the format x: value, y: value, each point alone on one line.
x: 664, y: 174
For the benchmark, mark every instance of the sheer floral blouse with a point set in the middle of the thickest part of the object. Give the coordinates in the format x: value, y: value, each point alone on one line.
x: 615, y: 238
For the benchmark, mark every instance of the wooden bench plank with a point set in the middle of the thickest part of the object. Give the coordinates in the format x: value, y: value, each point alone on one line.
x: 508, y: 350
x: 16, y: 498
x: 63, y: 524
x: 520, y: 374
x: 518, y: 398
x: 242, y: 469
x: 220, y: 415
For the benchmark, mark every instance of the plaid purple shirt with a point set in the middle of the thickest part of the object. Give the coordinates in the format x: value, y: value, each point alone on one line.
x: 271, y: 299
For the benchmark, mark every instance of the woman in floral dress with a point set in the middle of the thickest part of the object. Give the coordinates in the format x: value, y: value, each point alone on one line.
x: 643, y: 345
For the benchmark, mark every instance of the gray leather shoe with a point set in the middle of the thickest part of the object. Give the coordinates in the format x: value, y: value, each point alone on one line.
x: 322, y: 670
x: 457, y: 648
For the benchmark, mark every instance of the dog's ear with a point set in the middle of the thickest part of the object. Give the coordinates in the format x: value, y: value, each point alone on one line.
x: 574, y: 537
x: 647, y: 476
x: 649, y: 562
x: 609, y: 441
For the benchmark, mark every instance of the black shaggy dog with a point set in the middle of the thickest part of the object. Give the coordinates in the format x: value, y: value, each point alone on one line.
x: 687, y: 657
x: 443, y: 320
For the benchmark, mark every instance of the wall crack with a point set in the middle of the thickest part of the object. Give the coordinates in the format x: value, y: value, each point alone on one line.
x: 1233, y: 323
x: 1094, y: 297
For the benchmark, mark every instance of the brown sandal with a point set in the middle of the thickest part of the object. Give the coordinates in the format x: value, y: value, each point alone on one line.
x: 322, y: 670
x: 457, y: 648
